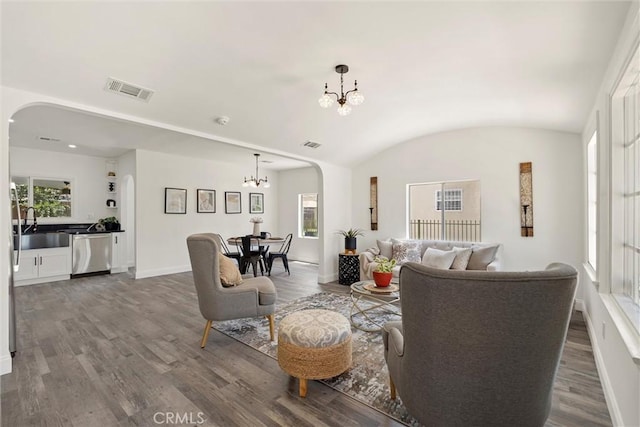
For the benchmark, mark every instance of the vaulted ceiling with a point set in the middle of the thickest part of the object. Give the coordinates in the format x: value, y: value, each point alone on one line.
x: 424, y: 67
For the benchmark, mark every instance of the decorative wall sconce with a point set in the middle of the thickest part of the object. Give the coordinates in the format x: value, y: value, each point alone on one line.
x: 526, y: 200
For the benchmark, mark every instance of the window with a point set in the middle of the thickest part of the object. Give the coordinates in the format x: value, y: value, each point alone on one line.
x: 592, y: 200
x: 428, y: 219
x: 631, y: 281
x: 308, y: 215
x: 625, y: 209
x: 452, y: 200
x: 50, y: 197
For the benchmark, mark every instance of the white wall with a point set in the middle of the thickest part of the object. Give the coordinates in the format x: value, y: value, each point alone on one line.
x: 291, y: 184
x: 613, y: 338
x: 161, y: 246
x: 126, y: 184
x: 491, y: 155
x: 89, y: 187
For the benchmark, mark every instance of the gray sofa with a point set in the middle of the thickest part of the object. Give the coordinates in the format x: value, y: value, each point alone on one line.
x: 477, y: 348
x: 367, y: 263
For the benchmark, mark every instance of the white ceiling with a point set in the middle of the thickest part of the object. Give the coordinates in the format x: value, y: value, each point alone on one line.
x: 423, y: 67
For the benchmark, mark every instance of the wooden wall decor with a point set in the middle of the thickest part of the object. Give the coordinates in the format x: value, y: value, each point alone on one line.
x: 526, y: 200
x: 373, y: 206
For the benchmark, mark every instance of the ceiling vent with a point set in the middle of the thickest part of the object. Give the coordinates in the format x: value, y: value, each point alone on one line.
x: 48, y: 139
x: 266, y: 161
x: 311, y: 144
x: 127, y: 89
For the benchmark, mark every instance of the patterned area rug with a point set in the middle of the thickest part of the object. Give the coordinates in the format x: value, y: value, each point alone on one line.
x: 366, y: 381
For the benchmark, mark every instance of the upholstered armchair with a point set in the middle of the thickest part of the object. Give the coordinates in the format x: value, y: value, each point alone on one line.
x: 479, y: 347
x: 254, y: 297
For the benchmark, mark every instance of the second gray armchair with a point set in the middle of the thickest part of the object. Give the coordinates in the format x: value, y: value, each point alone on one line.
x: 478, y: 348
x: 253, y: 298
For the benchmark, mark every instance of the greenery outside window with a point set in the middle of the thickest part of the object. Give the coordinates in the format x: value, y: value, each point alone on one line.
x: 308, y: 215
x: 50, y: 197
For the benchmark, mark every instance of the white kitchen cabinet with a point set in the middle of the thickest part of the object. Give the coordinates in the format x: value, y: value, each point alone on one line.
x: 43, y: 265
x: 118, y: 252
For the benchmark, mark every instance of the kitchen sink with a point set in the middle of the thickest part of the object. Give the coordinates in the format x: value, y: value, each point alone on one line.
x: 42, y: 240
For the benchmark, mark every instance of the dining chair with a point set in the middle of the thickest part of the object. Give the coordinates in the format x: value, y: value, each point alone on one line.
x: 250, y: 257
x: 233, y: 255
x: 282, y: 254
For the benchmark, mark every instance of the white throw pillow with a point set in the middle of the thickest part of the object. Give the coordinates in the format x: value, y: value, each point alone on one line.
x: 386, y: 248
x: 435, y: 258
x: 462, y: 258
x: 406, y: 251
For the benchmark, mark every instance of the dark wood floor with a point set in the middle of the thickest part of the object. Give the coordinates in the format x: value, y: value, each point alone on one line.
x: 113, y: 351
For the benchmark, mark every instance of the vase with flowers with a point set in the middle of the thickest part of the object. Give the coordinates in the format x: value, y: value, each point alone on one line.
x: 256, y: 225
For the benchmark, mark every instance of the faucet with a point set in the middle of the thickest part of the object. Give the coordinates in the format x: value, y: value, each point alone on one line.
x: 33, y: 227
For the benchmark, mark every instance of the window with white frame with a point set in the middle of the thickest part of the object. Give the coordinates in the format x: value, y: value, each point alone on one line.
x: 452, y: 199
x: 625, y: 212
x: 308, y: 215
x: 631, y: 283
x: 50, y: 197
x: 592, y: 201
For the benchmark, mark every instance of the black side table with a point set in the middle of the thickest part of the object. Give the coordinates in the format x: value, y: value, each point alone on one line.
x: 348, y: 268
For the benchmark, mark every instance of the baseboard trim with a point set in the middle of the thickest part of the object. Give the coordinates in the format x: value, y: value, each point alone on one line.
x: 5, y: 364
x: 327, y: 278
x: 612, y: 403
x: 142, y: 274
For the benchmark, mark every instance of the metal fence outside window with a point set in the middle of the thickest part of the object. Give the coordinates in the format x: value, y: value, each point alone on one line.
x: 460, y: 230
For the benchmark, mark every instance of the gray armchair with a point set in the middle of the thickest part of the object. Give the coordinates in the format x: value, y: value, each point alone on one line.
x: 254, y: 297
x: 479, y: 347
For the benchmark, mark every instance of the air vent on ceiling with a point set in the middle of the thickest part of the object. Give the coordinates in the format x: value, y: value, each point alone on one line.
x: 48, y: 139
x: 311, y: 144
x: 266, y: 161
x: 127, y: 89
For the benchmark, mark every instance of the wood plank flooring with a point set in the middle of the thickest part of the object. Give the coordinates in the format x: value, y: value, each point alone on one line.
x: 113, y: 351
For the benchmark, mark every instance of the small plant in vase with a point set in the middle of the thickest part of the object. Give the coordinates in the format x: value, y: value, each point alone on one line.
x: 110, y: 223
x: 350, y: 239
x: 383, y: 274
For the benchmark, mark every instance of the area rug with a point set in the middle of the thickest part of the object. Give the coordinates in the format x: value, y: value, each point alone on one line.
x: 366, y: 381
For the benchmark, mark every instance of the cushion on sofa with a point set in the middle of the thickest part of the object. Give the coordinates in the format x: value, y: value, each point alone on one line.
x: 435, y: 258
x: 386, y: 248
x: 481, y: 257
x: 406, y: 251
x: 462, y: 258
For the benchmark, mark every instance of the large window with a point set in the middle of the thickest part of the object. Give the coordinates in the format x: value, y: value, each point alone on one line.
x: 460, y: 218
x: 625, y: 171
x: 592, y: 200
x: 308, y: 215
x: 50, y: 197
x: 632, y: 191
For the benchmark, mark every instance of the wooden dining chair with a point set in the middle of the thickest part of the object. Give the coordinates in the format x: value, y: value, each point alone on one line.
x: 233, y: 255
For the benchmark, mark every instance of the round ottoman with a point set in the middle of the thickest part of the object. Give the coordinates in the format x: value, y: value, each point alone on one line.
x: 314, y: 344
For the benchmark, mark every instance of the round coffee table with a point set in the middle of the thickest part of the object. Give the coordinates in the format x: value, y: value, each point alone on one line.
x: 364, y: 301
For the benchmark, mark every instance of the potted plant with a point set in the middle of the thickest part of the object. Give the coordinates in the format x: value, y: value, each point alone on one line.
x: 110, y: 223
x: 383, y: 274
x: 350, y: 236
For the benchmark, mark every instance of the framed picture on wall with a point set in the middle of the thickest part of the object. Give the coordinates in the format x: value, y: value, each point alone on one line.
x: 206, y: 201
x: 175, y: 200
x: 232, y: 202
x: 256, y: 203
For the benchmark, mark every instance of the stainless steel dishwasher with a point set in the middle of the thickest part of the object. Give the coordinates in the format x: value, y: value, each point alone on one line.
x: 91, y: 253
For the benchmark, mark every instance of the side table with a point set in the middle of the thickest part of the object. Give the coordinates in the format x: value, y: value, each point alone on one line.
x: 348, y: 268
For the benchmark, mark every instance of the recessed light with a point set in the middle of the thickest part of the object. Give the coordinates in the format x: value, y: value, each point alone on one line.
x: 11, y: 120
x: 71, y: 146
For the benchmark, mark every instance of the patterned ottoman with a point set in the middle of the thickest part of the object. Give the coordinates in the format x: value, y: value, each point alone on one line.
x: 314, y: 344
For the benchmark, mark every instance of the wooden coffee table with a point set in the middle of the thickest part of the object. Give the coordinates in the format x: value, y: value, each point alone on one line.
x: 364, y: 301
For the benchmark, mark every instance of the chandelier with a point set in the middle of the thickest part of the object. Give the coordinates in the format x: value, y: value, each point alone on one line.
x: 255, y: 182
x: 353, y: 97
